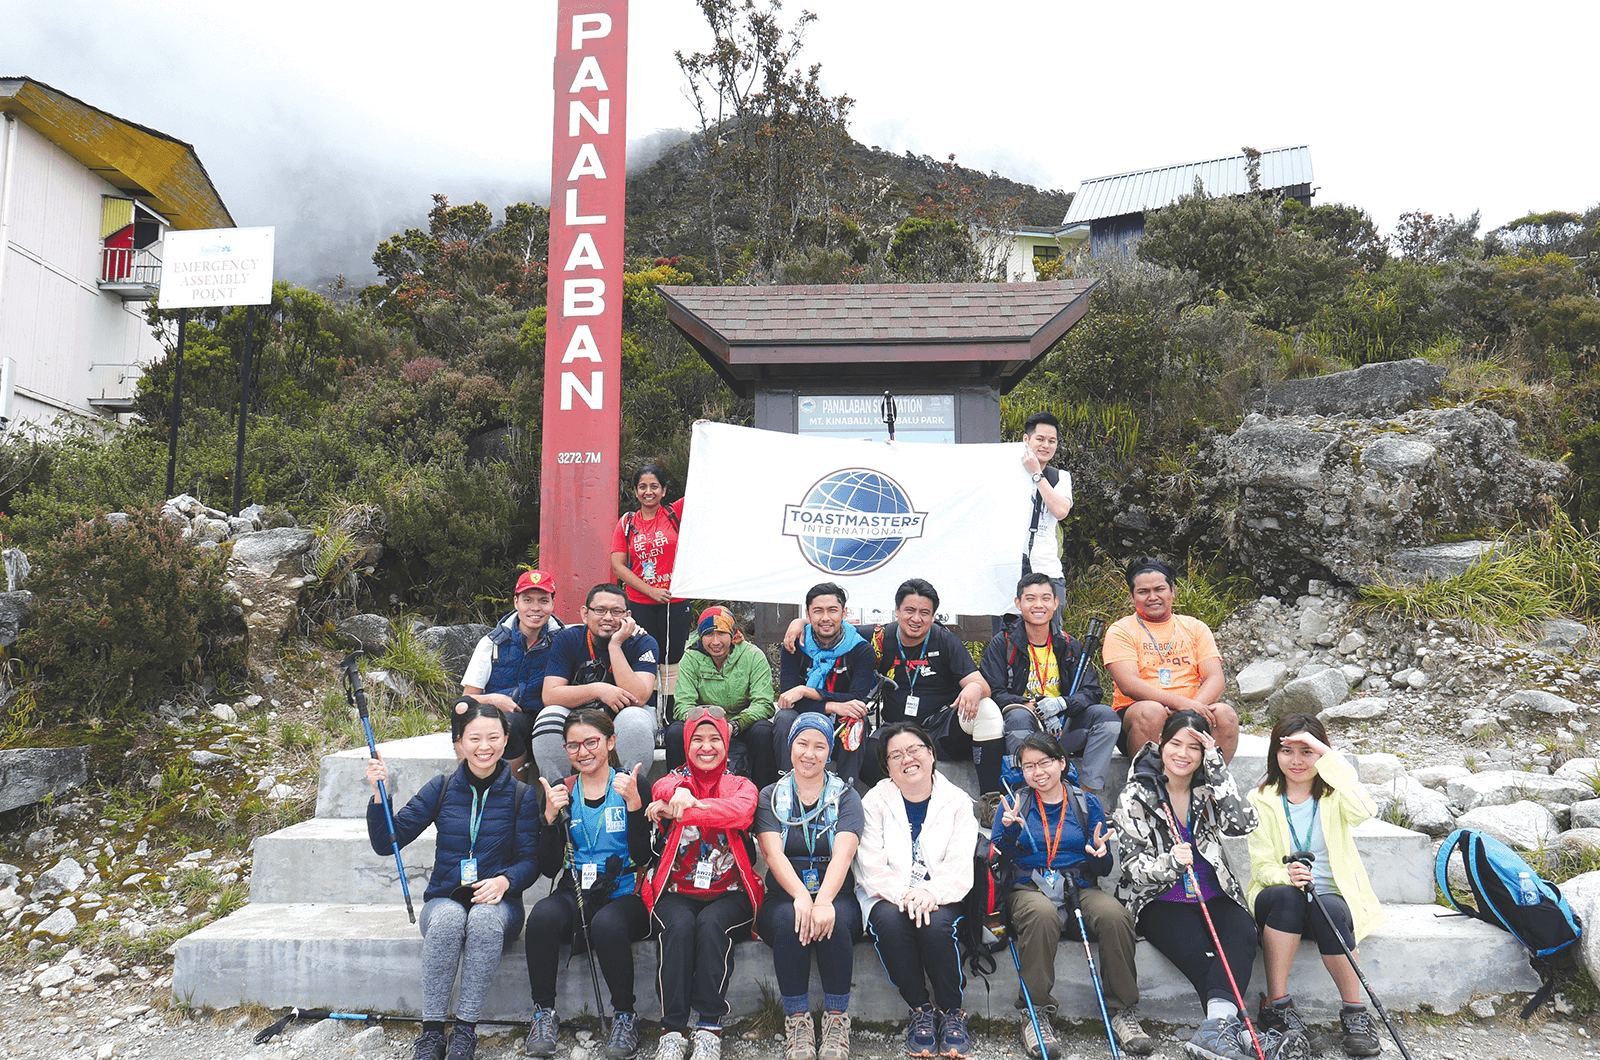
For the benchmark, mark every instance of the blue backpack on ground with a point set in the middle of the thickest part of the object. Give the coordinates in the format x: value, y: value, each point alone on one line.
x: 1509, y: 894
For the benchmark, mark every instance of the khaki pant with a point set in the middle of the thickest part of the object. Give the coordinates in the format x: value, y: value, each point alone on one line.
x: 1036, y: 925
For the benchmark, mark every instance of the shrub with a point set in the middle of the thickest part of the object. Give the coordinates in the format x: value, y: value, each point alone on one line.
x: 453, y: 527
x: 123, y: 608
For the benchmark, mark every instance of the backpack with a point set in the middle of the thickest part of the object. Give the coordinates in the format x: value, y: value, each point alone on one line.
x: 1494, y: 872
x: 982, y: 927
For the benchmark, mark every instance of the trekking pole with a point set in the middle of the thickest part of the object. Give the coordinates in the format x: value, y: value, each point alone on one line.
x: 1194, y: 881
x: 583, y: 921
x: 357, y: 697
x: 1094, y: 972
x: 1027, y: 998
x: 266, y: 1034
x: 1305, y: 857
x: 1090, y: 639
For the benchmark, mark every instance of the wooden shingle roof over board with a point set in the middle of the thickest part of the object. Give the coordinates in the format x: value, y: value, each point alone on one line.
x: 859, y: 330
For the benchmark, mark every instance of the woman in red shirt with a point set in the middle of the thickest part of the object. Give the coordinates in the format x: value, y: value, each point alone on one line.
x: 643, y: 549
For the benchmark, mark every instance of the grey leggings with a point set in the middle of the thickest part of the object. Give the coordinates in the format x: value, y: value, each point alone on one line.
x: 450, y: 937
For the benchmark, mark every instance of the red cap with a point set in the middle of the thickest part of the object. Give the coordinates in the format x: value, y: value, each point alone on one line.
x: 535, y: 579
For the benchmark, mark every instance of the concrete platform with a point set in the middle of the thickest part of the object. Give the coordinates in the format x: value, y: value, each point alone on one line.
x: 366, y: 958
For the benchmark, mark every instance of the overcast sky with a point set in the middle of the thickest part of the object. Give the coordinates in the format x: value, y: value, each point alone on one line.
x: 335, y: 120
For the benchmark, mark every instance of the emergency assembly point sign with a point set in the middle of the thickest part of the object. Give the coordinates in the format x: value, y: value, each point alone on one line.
x: 217, y: 267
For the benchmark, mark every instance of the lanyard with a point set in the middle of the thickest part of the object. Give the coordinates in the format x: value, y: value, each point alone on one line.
x: 1051, y: 846
x: 1159, y: 649
x: 1041, y: 672
x: 912, y: 675
x: 1316, y: 804
x: 807, y: 833
x: 476, y: 819
x: 581, y: 817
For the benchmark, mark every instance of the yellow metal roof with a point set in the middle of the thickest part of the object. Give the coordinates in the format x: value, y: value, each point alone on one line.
x: 158, y: 169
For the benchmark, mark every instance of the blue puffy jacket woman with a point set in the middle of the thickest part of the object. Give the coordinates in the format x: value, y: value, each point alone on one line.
x: 488, y: 835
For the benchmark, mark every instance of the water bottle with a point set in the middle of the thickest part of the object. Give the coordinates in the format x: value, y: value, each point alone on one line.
x: 1527, y: 893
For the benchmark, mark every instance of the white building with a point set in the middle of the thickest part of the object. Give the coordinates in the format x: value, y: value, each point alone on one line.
x: 85, y: 199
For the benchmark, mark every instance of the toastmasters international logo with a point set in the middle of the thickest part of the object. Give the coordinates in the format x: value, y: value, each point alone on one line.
x: 852, y: 521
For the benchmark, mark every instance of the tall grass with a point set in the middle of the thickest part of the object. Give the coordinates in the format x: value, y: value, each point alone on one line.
x: 1101, y: 591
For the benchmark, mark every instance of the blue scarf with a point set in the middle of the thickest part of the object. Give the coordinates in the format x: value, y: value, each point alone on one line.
x: 822, y: 659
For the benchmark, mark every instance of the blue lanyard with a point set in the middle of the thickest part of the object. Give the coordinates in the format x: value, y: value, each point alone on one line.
x: 807, y: 833
x: 581, y: 818
x: 1316, y: 804
x: 477, y: 818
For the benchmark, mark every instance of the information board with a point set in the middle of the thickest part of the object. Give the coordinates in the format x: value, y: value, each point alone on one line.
x: 918, y: 417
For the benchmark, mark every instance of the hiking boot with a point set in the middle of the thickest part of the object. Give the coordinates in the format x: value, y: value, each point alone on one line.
x: 1278, y: 1043
x: 1045, y: 1047
x: 624, y: 1041
x: 1282, y: 1016
x: 835, y: 1044
x: 672, y: 1046
x: 430, y: 1046
x: 1131, y: 1036
x: 707, y: 1045
x: 799, y: 1037
x: 463, y: 1043
x: 954, y: 1041
x: 1219, y: 1039
x: 1360, y: 1032
x: 922, y: 1036
x: 542, y: 1031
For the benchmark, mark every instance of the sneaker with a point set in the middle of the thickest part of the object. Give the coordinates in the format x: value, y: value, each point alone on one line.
x: 1218, y: 1039
x: 1045, y: 1046
x: 1279, y: 1043
x: 954, y: 1041
x: 430, y: 1046
x: 1360, y: 1032
x: 1282, y: 1016
x: 672, y: 1046
x: 835, y: 1043
x: 624, y: 1041
x: 799, y: 1037
x: 542, y: 1032
x: 922, y: 1038
x: 463, y: 1043
x: 1131, y: 1036
x: 707, y: 1045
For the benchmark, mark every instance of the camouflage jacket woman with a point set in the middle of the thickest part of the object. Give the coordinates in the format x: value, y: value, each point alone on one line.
x: 1148, y: 867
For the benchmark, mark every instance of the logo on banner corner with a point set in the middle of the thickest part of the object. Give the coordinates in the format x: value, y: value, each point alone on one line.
x: 853, y: 521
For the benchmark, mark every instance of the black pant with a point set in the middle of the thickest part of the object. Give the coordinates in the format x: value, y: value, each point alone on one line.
x: 1287, y: 908
x: 910, y: 954
x: 694, y: 954
x: 1178, y: 931
x: 791, y: 962
x: 951, y: 743
x: 614, y: 926
x: 652, y: 618
x: 750, y: 754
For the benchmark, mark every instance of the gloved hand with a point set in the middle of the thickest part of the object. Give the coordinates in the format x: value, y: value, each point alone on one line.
x: 1052, y: 712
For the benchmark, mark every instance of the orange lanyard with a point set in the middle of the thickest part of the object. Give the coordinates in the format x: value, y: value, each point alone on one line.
x: 1050, y: 847
x: 1039, y: 671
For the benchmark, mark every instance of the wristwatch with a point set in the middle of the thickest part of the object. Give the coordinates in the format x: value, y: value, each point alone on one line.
x: 1037, y: 475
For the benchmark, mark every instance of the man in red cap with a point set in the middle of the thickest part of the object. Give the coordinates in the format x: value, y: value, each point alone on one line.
x: 507, y: 667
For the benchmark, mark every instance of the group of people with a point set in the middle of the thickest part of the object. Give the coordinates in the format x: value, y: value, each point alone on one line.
x: 831, y: 774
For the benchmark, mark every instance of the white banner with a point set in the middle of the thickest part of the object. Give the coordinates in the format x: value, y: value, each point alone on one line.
x: 768, y: 515
x: 216, y: 267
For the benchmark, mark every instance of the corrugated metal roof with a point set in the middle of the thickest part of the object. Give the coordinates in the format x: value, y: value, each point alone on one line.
x: 1151, y: 189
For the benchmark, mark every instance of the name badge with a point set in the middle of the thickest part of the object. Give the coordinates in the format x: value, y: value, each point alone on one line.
x: 812, y: 880
x: 648, y: 571
x: 1164, y: 676
x: 1189, y: 889
x: 469, y: 871
x: 919, y: 873
x: 616, y: 819
x: 702, y: 875
x: 1050, y: 884
x: 590, y: 872
x: 912, y: 702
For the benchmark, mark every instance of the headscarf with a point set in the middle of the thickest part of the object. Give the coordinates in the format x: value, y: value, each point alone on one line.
x: 812, y: 720
x: 717, y: 617
x: 822, y: 659
x: 703, y: 783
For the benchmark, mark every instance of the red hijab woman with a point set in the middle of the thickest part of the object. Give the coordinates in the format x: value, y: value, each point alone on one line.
x: 704, y: 891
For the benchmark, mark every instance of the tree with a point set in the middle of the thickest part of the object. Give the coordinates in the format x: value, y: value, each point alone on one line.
x: 1426, y: 239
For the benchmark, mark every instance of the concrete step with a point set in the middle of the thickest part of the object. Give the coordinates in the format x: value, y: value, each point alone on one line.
x: 331, y: 860
x: 365, y: 958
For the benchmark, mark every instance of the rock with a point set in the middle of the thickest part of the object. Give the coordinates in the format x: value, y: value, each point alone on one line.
x: 1379, y: 768
x: 1586, y: 814
x: 273, y: 553
x: 1313, y: 625
x: 61, y: 923
x: 322, y: 1034
x: 1373, y: 390
x: 1356, y: 709
x: 103, y: 971
x: 1562, y: 633
x: 224, y: 712
x: 16, y: 615
x: 1417, y: 680
x: 368, y: 632
x: 1313, y: 694
x: 1582, y: 893
x: 55, y: 975
x: 1483, y: 1008
x: 207, y: 758
x: 1440, y: 561
x: 106, y: 1051
x: 9, y: 898
x: 454, y: 643
x: 1438, y: 776
x: 255, y: 513
x: 371, y: 1040
x: 64, y: 877
x: 1521, y: 825
x: 1351, y: 643
x: 208, y: 529
x: 1260, y: 679
x: 1501, y: 787
x: 28, y: 774
x: 266, y: 569
x: 17, y: 568
x: 1332, y: 500
x: 1424, y: 809
x: 397, y: 683
x: 1542, y: 702
x: 1471, y: 727
x: 1584, y: 769
x: 1578, y: 842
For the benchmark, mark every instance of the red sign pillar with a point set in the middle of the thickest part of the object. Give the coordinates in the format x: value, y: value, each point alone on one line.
x: 583, y: 331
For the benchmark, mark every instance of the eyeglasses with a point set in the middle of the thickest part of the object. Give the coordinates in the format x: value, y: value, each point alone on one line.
x: 696, y: 713
x: 607, y: 612
x: 912, y: 752
x: 591, y: 744
x: 1039, y: 766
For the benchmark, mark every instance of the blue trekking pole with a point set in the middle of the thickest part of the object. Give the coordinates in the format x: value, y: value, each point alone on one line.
x: 1090, y: 638
x: 358, y: 699
x: 1027, y: 998
x: 1094, y: 972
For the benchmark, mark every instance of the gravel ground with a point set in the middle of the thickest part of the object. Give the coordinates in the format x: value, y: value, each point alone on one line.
x: 146, y: 1027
